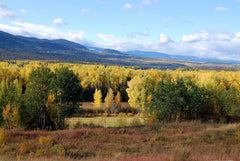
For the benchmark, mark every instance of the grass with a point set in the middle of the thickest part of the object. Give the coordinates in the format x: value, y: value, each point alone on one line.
x: 104, y: 121
x: 167, y: 142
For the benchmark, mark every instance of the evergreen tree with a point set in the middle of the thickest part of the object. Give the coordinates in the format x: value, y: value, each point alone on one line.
x: 36, y: 95
x: 67, y: 91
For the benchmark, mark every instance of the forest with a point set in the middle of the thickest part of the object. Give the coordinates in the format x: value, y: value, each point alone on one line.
x: 41, y: 94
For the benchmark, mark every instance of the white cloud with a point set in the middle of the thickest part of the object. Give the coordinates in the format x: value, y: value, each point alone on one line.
x: 23, y: 11
x: 59, y: 22
x: 5, y: 13
x: 84, y: 11
x: 128, y: 6
x: 208, y: 44
x: 221, y: 9
x: 164, y: 38
x: 44, y: 32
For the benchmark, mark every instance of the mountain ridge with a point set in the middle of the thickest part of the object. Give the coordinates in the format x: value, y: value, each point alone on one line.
x: 19, y: 47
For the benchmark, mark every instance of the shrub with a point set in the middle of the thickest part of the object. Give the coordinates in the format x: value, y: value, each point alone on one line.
x: 59, y: 150
x: 152, y: 119
x: 24, y: 148
x: 41, y: 152
x: 3, y: 138
x: 46, y: 140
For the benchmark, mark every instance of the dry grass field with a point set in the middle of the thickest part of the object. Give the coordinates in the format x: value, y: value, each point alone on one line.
x: 187, y: 141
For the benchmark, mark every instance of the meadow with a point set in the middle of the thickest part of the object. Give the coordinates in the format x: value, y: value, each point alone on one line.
x: 176, y: 141
x: 105, y: 121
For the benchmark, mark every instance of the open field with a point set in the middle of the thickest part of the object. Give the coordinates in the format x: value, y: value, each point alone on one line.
x: 167, y: 142
x: 106, y: 121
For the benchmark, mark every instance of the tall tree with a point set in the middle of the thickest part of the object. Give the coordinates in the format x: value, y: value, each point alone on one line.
x: 109, y: 99
x: 136, y: 93
x: 67, y: 91
x: 36, y: 95
x: 97, y: 99
x: 118, y: 99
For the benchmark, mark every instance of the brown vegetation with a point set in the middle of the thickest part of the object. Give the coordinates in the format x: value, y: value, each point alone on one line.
x: 173, y: 142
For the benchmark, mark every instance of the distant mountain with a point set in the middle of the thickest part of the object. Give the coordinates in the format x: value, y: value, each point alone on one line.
x: 13, y: 47
x: 158, y: 55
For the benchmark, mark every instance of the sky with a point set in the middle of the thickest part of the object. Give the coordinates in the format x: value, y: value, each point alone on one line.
x: 203, y: 28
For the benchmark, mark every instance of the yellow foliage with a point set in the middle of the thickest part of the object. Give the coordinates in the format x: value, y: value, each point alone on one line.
x: 24, y: 148
x: 50, y: 100
x: 3, y: 138
x: 118, y: 100
x: 41, y: 152
x: 12, y: 117
x: 46, y: 140
x: 152, y: 119
x: 134, y: 92
x: 6, y: 112
x: 149, y: 98
x: 97, y: 99
x: 109, y: 99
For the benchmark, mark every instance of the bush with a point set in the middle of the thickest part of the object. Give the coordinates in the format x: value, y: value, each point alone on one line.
x: 46, y: 140
x: 152, y: 119
x: 24, y: 148
x: 41, y: 152
x: 59, y: 150
x: 3, y: 138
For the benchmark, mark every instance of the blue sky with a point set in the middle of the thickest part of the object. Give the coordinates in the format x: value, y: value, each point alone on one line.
x: 205, y: 28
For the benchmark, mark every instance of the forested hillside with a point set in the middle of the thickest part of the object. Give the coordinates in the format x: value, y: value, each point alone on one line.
x: 42, y: 94
x: 14, y: 47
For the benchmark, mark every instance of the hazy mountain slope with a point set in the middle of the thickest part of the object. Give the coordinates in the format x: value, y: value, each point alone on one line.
x: 20, y: 47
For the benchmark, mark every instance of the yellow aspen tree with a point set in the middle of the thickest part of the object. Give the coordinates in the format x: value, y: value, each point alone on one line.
x: 11, y: 116
x: 134, y: 92
x: 118, y: 100
x: 6, y: 114
x: 109, y: 99
x: 97, y: 99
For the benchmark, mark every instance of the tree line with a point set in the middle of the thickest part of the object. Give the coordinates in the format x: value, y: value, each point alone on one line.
x: 41, y: 94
